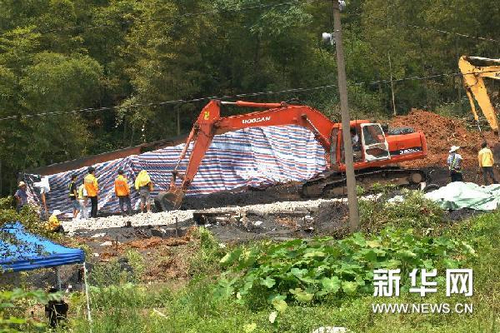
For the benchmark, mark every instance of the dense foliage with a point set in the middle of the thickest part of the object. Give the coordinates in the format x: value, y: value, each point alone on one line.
x: 306, y: 271
x: 28, y: 216
x: 12, y: 304
x: 62, y: 55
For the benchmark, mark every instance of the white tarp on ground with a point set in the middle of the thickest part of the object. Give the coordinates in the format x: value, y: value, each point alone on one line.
x: 458, y: 195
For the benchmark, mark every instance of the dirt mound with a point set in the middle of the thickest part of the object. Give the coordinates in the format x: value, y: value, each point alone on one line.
x: 442, y: 133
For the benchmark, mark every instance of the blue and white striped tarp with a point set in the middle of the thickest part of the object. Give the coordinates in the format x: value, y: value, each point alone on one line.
x: 248, y: 157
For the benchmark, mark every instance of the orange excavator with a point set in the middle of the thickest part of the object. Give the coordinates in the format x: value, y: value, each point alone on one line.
x: 375, y: 153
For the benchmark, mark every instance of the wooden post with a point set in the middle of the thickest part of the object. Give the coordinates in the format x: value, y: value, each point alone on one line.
x: 392, y: 86
x: 346, y: 132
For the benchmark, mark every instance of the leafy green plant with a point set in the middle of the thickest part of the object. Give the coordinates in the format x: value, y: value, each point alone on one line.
x: 207, y: 251
x: 304, y: 271
x: 13, y: 304
x: 136, y: 262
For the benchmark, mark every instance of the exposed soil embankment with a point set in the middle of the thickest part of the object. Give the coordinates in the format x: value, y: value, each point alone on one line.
x: 442, y: 133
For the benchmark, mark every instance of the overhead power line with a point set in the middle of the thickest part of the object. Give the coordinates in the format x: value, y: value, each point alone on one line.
x: 252, y: 94
x: 170, y: 102
x: 484, y: 39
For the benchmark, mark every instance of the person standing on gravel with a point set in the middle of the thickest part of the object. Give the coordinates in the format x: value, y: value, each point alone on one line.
x: 73, y: 196
x: 122, y: 191
x: 486, y: 161
x: 455, y: 164
x: 144, y: 185
x: 82, y: 199
x: 92, y: 188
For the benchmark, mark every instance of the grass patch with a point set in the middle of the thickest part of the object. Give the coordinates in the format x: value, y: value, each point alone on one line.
x: 412, y: 211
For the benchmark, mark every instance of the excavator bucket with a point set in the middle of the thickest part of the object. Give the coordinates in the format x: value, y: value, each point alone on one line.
x: 169, y: 200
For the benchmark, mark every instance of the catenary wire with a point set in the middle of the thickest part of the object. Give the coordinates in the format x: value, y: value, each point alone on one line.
x: 251, y: 94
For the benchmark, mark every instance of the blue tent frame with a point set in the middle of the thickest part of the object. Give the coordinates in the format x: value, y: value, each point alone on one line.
x: 22, y: 251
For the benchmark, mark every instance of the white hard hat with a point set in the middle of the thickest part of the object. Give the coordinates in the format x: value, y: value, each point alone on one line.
x: 454, y: 149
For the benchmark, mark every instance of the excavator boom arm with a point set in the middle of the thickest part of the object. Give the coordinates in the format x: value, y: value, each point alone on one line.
x: 475, y: 87
x: 209, y: 123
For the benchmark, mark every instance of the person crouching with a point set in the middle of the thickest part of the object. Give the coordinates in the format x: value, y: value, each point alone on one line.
x: 53, y: 224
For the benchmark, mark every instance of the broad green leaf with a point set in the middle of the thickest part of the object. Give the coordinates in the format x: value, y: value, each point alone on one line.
x: 268, y: 282
x: 331, y: 284
x: 313, y: 254
x: 349, y: 287
x: 373, y: 243
x: 358, y: 239
x: 231, y: 257
x: 280, y: 305
x: 301, y: 295
x: 308, y: 280
x: 407, y: 253
x: 369, y: 255
x: 298, y: 272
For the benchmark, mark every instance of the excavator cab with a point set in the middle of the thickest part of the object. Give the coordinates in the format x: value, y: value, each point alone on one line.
x: 374, y: 143
x: 368, y: 142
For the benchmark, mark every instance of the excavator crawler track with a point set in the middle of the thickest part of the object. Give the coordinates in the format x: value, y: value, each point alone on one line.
x: 333, y: 184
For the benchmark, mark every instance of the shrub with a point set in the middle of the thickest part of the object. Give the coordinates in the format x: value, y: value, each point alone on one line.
x: 413, y: 210
x: 310, y: 270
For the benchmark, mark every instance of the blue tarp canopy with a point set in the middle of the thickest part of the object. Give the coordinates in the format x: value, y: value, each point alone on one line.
x: 22, y: 251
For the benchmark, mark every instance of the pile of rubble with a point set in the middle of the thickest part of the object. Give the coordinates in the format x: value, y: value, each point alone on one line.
x: 163, y: 218
x: 182, y: 216
x: 442, y: 133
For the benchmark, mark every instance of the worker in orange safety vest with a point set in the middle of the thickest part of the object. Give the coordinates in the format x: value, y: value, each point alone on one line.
x: 92, y: 188
x: 122, y: 191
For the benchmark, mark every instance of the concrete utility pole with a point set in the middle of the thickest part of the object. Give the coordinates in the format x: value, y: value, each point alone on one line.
x: 346, y: 133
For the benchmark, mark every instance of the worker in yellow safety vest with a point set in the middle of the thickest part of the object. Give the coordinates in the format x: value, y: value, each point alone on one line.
x: 122, y: 191
x: 486, y: 161
x: 144, y: 186
x: 92, y: 188
x: 82, y: 199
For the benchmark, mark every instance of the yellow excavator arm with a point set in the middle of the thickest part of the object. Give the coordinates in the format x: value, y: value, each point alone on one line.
x: 476, y: 89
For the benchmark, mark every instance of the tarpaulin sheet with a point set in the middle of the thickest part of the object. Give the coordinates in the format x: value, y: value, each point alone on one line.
x: 22, y: 251
x: 459, y: 195
x: 250, y: 157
